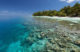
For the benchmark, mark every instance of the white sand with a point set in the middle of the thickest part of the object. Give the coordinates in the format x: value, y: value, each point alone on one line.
x: 72, y: 19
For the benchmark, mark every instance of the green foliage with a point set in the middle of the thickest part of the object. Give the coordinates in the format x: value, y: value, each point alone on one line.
x: 66, y: 11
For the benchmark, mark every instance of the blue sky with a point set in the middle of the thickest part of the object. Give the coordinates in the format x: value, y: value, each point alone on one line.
x: 23, y: 7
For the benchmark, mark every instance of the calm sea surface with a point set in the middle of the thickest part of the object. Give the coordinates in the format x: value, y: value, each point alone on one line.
x: 10, y: 29
x: 15, y: 29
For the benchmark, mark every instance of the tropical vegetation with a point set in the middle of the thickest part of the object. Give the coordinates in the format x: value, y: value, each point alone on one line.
x: 72, y: 11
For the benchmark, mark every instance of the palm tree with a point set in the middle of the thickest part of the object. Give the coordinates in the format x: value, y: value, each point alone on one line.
x: 66, y: 11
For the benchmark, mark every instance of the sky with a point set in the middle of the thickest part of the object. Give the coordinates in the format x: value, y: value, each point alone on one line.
x: 26, y: 7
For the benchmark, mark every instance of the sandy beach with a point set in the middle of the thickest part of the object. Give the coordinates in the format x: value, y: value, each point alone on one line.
x: 71, y: 19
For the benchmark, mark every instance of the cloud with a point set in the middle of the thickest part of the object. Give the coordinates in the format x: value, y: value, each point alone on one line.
x: 69, y: 1
x: 13, y: 13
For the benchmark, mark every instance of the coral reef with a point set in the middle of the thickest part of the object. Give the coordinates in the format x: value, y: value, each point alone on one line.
x: 50, y: 38
x: 45, y: 36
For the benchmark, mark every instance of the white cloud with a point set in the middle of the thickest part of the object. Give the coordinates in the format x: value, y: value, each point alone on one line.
x: 13, y: 13
x: 69, y: 1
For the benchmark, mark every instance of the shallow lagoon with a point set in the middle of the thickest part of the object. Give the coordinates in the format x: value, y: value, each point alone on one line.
x: 33, y: 34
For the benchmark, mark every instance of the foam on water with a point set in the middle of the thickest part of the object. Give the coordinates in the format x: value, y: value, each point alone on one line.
x: 72, y: 19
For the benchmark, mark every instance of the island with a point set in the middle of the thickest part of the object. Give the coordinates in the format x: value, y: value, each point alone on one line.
x: 71, y: 11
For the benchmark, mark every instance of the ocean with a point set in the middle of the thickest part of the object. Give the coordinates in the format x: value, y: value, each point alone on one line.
x: 32, y: 34
x: 10, y: 29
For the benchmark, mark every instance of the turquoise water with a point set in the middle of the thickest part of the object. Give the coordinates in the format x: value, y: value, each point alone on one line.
x: 11, y: 29
x: 31, y: 34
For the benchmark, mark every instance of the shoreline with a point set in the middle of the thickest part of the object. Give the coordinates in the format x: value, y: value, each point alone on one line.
x: 72, y: 19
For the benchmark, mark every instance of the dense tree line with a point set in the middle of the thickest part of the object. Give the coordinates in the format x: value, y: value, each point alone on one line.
x: 66, y: 11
